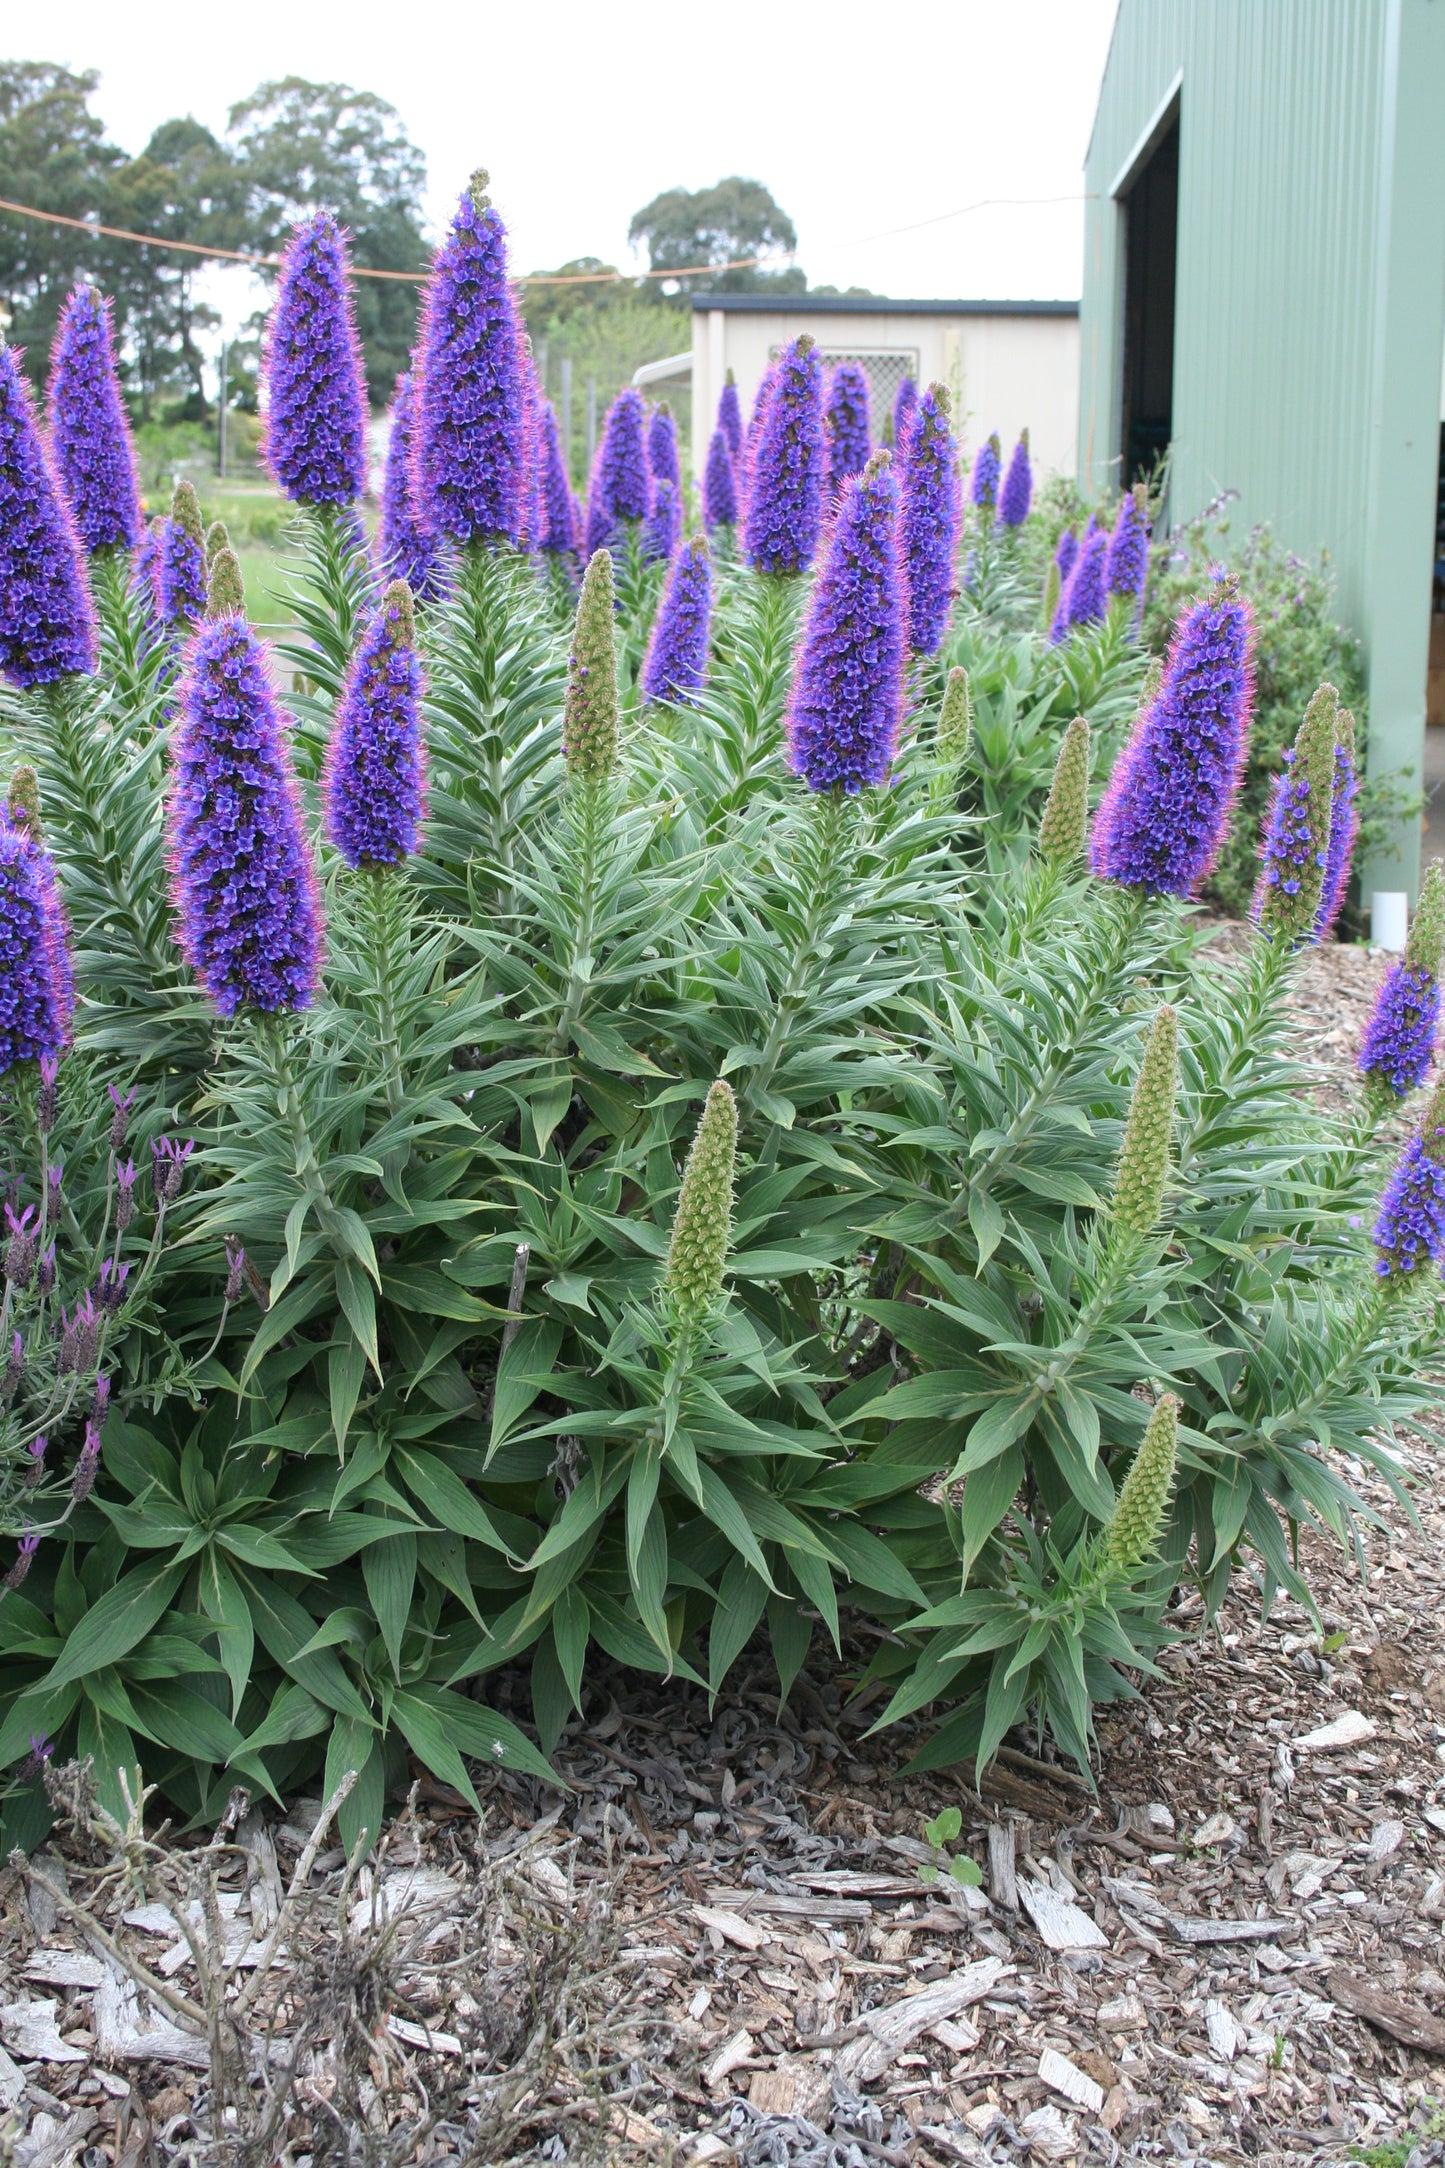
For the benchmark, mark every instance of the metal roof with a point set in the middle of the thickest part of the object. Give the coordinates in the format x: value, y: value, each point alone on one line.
x: 872, y: 305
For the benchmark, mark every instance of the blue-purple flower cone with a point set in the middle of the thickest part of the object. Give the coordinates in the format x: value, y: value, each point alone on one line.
x: 662, y: 459
x: 1399, y: 1042
x: 1017, y: 493
x: 315, y: 437
x: 846, y: 703
x: 405, y: 551
x: 47, y: 622
x: 932, y: 515
x: 719, y: 484
x: 784, y: 509
x: 471, y: 424
x: 846, y: 423
x: 34, y: 1019
x: 90, y: 439
x: 676, y: 664
x: 376, y: 762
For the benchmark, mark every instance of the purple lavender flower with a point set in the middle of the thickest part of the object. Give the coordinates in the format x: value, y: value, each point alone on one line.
x: 719, y: 485
x: 47, y: 622
x: 124, y: 1195
x: 315, y: 434
x: 120, y: 1118
x: 54, y: 1190
x: 1344, y: 829
x: 847, y: 696
x: 470, y: 446
x: 1066, y: 556
x: 1128, y: 559
x: 45, y: 1271
x: 846, y: 423
x: 905, y: 406
x: 559, y: 510
x: 676, y: 663
x: 375, y: 784
x: 34, y: 1019
x: 405, y: 551
x: 85, y: 1326
x: 730, y: 416
x: 110, y: 1288
x: 1017, y: 493
x: 785, y: 489
x: 168, y: 1166
x: 48, y: 1097
x: 988, y: 461
x: 82, y: 1482
x: 1165, y: 813
x: 1410, y: 1231
x: 36, y: 1450
x: 663, y: 524
x: 29, y: 1545
x: 662, y: 460
x: 235, y: 1271
x: 89, y: 434
x: 1083, y: 601
x: 100, y: 1406
x: 932, y: 513
x: 619, y: 487
x: 243, y: 882
x: 20, y: 1248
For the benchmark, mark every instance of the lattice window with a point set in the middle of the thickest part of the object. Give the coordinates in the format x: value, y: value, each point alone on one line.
x: 886, y: 367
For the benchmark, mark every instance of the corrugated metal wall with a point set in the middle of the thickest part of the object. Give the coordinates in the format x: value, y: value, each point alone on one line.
x: 1311, y: 295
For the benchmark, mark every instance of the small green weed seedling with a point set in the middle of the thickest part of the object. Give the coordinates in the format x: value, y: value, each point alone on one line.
x: 942, y: 1831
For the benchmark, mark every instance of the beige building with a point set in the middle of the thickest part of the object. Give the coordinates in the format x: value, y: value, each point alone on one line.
x: 1010, y: 365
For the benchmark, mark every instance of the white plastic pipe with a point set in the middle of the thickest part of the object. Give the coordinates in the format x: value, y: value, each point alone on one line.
x: 1389, y: 919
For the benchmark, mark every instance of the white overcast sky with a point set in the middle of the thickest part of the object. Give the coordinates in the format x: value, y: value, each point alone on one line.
x: 875, y: 127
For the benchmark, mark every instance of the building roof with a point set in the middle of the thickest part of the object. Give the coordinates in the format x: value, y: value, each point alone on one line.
x: 872, y: 305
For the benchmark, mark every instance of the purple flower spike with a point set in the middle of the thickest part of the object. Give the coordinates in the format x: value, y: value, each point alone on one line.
x: 663, y: 524
x: 120, y: 1119
x: 1165, y: 813
x: 676, y: 664
x: 89, y: 433
x: 559, y: 508
x: 243, y: 883
x: 1399, y: 1041
x: 47, y: 623
x: 471, y: 448
x: 662, y: 459
x: 124, y: 1194
x: 988, y: 462
x: 34, y: 1010
x: 1410, y: 1231
x: 719, y: 485
x: 1344, y: 829
x: 1017, y: 493
x: 110, y: 1291
x: 730, y: 417
x: 180, y: 562
x: 905, y: 406
x: 932, y: 514
x: 846, y: 423
x: 619, y: 487
x: 47, y: 1099
x: 1128, y: 560
x: 168, y: 1167
x: 405, y: 551
x: 752, y: 436
x: 1084, y: 600
x: 235, y: 1271
x: 785, y: 489
x: 376, y: 764
x: 315, y: 437
x: 1066, y: 556
x: 847, y: 697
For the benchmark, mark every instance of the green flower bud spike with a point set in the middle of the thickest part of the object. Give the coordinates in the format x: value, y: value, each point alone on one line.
x: 1133, y: 1533
x: 186, y: 512
x: 955, y: 720
x: 217, y: 539
x: 1425, y: 947
x: 702, y: 1230
x: 589, y: 719
x: 1053, y: 587
x: 225, y: 594
x: 23, y: 802
x: 1064, y: 829
x: 1297, y: 839
x: 1144, y: 1156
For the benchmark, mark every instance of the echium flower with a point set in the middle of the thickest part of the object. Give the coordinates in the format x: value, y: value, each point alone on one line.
x: 983, y: 489
x: 662, y: 459
x: 405, y: 550
x: 676, y: 664
x: 470, y: 448
x: 589, y: 718
x: 1410, y: 1230
x: 1344, y: 827
x: 1165, y: 812
x: 932, y: 513
x: 905, y: 406
x: 181, y: 561
x: 847, y: 695
x: 730, y: 415
x: 619, y: 488
x: 47, y: 622
x: 90, y: 438
x: 1296, y: 846
x: 785, y: 488
x: 747, y: 458
x: 1399, y: 1041
x: 1017, y: 493
x: 558, y: 534
x: 375, y: 784
x: 34, y: 1021
x: 1143, y: 1169
x: 702, y: 1228
x: 1137, y: 1522
x: 1084, y: 600
x: 1066, y: 556
x: 1127, y: 563
x: 243, y: 884
x: 955, y: 720
x: 846, y: 423
x: 719, y: 485
x: 23, y: 805
x: 663, y: 523
x: 1064, y: 828
x: 315, y: 433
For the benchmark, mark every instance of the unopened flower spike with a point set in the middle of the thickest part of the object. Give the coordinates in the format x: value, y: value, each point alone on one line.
x: 986, y: 467
x: 719, y: 485
x: 1410, y: 1229
x: 471, y: 421
x: 1344, y: 827
x: 847, y: 696
x: 47, y: 622
x: 1064, y: 828
x: 846, y: 423
x: 676, y: 663
x: 1296, y: 849
x: 702, y: 1228
x: 375, y: 781
x: 225, y: 594
x: 315, y: 434
x: 784, y: 511
x: 1017, y: 492
x: 589, y: 720
x: 932, y: 514
x: 218, y: 538
x: 955, y: 720
x: 1136, y: 1525
x: 90, y: 438
x: 1399, y: 1040
x: 1143, y: 1169
x: 181, y: 561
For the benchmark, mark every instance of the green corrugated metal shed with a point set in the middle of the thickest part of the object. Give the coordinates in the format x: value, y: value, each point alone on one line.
x: 1309, y: 298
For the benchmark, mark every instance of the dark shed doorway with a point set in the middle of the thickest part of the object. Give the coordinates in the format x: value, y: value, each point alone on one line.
x: 1151, y: 231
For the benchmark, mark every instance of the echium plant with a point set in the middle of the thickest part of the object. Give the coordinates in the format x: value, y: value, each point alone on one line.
x: 620, y: 490
x: 846, y: 423
x: 984, y: 484
x: 675, y: 668
x: 1016, y: 493
x: 784, y: 511
x: 1399, y: 1041
x: 1410, y: 1230
x: 932, y: 510
x: 847, y: 699
x: 180, y: 562
x: 375, y: 784
x: 47, y: 622
x: 90, y: 437
x: 719, y: 485
x: 662, y: 460
x: 1296, y: 854
x: 315, y: 435
x: 404, y: 548
x: 471, y: 413
x: 730, y: 416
